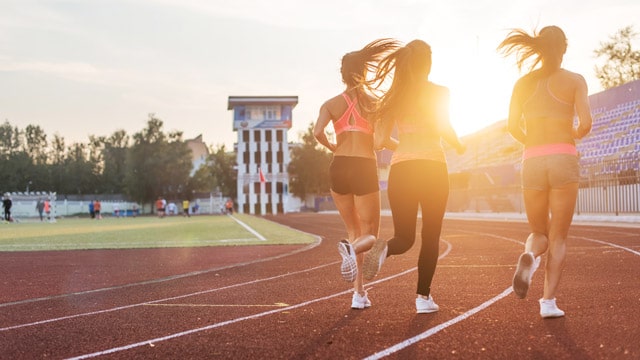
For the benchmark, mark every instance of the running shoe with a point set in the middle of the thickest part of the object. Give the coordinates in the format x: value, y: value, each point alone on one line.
x: 549, y: 309
x: 360, y: 302
x: 349, y: 268
x: 374, y: 258
x: 425, y: 305
x: 527, y: 265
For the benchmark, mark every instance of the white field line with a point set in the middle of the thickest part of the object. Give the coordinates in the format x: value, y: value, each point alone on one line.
x: 160, y: 244
x: 169, y: 278
x: 124, y: 307
x: 255, y: 316
x: 257, y: 234
x: 434, y: 330
x: 378, y: 355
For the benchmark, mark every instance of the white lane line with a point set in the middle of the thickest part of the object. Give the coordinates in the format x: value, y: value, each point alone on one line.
x: 248, y: 228
x: 169, y: 278
x: 255, y: 316
x: 162, y: 300
x: 401, y: 345
x: 228, y: 322
x: 609, y: 244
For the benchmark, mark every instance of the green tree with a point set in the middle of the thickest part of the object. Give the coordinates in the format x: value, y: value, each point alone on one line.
x: 35, y: 144
x: 9, y: 139
x: 309, y: 167
x: 78, y: 174
x: 157, y: 164
x: 218, y: 174
x: 114, y: 157
x: 621, y: 63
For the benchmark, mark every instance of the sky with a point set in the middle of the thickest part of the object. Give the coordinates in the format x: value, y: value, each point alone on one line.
x: 92, y: 67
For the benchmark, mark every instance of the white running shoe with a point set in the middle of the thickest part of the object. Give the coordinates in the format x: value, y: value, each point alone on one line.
x: 374, y: 258
x: 360, y: 302
x: 349, y: 267
x: 549, y: 309
x: 527, y: 265
x: 425, y: 305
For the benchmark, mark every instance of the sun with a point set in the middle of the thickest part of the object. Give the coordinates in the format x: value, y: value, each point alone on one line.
x: 480, y: 90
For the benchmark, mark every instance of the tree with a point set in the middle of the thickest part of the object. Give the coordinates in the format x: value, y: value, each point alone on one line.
x: 218, y: 174
x: 157, y: 164
x: 36, y: 144
x: 309, y: 167
x: 114, y: 157
x: 621, y: 62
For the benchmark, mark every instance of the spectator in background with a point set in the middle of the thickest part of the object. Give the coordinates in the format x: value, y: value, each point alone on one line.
x: 97, y: 207
x: 160, y: 209
x: 40, y: 209
x: 92, y: 212
x: 541, y: 117
x: 47, y: 209
x: 229, y: 206
x: 6, y: 204
x: 185, y: 208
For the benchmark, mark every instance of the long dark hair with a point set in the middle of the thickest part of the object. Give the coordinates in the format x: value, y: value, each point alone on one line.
x: 409, y: 66
x: 545, y: 48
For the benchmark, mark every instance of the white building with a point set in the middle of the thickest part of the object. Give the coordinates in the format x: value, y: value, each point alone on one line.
x: 262, y: 123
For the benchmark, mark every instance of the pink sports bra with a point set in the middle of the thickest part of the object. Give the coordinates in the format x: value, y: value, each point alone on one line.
x: 344, y: 122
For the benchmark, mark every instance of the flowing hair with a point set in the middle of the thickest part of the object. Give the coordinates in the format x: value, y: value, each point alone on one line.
x: 356, y: 65
x: 545, y: 48
x: 409, y: 68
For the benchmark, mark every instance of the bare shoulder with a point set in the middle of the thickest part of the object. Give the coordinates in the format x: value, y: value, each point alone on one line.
x: 574, y: 76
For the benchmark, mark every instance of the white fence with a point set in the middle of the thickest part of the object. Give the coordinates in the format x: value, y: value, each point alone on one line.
x: 24, y: 207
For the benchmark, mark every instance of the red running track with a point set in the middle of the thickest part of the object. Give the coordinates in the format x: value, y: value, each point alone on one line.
x: 289, y: 302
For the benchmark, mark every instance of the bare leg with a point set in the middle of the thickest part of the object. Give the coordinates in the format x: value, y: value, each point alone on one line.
x: 361, y: 216
x: 537, y: 205
x: 562, y: 203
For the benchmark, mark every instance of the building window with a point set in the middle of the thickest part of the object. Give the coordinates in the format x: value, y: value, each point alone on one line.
x: 280, y: 159
x: 245, y: 136
x: 267, y: 135
x: 256, y: 136
x: 245, y: 157
x: 258, y: 157
x: 279, y: 135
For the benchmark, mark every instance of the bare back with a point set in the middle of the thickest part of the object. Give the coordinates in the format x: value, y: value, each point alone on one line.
x: 548, y: 105
x: 349, y: 143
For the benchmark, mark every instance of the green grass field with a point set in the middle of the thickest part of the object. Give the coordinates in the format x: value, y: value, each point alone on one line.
x: 146, y: 232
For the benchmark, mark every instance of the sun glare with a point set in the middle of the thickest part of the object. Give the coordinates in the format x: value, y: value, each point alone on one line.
x: 479, y: 99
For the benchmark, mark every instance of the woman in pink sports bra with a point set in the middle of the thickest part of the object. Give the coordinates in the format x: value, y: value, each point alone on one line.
x: 354, y: 170
x: 541, y: 117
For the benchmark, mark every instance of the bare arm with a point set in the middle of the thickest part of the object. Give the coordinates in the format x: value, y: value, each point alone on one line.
x: 382, y: 136
x: 324, y: 117
x: 445, y: 129
x: 583, y: 109
x: 514, y: 122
